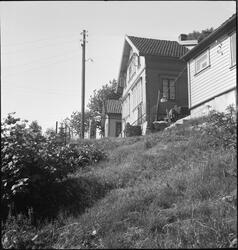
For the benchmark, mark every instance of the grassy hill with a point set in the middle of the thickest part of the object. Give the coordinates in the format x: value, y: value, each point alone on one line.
x: 171, y: 189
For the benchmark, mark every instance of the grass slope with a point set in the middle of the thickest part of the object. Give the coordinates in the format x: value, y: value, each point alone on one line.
x: 164, y: 190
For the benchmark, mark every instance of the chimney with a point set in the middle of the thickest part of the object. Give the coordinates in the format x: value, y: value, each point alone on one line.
x: 182, y: 39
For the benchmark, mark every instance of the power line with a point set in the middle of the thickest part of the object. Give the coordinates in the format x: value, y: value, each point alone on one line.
x: 27, y: 48
x: 40, y: 40
x: 16, y: 65
x: 36, y: 68
x: 37, y: 91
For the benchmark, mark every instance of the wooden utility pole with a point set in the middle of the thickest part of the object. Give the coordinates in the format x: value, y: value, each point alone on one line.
x: 83, y: 83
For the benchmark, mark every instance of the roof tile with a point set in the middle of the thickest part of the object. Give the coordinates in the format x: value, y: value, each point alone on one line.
x: 148, y: 46
x: 113, y: 106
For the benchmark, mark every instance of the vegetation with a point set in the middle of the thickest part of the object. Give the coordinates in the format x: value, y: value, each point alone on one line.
x: 171, y: 189
x: 74, y: 122
x: 99, y: 96
x: 197, y: 35
x: 34, y: 167
x: 95, y: 109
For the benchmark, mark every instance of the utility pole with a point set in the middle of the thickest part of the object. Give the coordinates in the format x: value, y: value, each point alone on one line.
x: 83, y: 83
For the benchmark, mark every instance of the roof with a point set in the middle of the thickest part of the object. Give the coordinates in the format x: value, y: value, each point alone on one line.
x: 224, y: 28
x: 148, y: 46
x: 113, y: 107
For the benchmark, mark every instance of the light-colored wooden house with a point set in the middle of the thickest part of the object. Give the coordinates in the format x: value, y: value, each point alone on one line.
x: 212, y: 70
x: 148, y: 67
x: 112, y: 118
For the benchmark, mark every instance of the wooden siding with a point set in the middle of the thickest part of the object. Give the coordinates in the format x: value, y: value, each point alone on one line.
x: 217, y: 78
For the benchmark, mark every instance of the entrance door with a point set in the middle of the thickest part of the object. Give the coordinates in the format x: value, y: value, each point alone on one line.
x: 118, y: 128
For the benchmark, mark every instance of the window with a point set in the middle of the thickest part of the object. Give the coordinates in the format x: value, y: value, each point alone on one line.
x: 132, y: 67
x: 137, y: 94
x: 126, y: 106
x: 169, y: 89
x: 233, y: 49
x: 202, y: 62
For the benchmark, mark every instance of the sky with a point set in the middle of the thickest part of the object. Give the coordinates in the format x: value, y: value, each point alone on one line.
x: 41, y: 53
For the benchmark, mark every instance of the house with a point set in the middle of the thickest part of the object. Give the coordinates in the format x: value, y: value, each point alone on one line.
x: 212, y: 70
x: 151, y: 69
x: 112, y: 118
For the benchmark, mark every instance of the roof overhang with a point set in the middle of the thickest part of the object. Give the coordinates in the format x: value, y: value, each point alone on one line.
x: 225, y: 28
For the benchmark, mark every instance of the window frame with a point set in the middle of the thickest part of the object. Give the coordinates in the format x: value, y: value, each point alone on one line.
x: 169, y: 95
x: 207, y: 51
x: 137, y: 94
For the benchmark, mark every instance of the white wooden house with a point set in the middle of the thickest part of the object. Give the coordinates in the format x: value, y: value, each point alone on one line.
x: 211, y: 67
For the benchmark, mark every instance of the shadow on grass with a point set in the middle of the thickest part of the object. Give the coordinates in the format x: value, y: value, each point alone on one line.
x: 69, y: 197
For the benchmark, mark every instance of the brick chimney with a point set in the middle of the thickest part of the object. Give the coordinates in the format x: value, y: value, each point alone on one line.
x: 182, y: 39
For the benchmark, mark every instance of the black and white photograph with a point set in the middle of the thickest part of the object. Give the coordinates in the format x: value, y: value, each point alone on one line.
x: 118, y: 124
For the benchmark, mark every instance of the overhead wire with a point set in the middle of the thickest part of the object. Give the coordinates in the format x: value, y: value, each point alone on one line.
x: 41, y: 91
x: 38, y: 40
x: 38, y: 47
x: 39, y: 60
x: 39, y: 67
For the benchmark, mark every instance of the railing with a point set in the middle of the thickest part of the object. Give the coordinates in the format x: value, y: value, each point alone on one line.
x: 141, y: 118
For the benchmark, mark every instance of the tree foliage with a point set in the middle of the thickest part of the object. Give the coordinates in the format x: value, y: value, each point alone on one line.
x: 74, y: 122
x: 197, y: 35
x: 50, y: 132
x: 98, y: 97
x: 35, y: 127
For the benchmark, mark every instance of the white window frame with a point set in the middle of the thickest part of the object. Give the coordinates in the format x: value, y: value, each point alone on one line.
x: 199, y: 58
x: 233, y: 54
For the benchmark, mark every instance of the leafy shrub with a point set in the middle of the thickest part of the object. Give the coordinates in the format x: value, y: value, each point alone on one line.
x: 220, y: 128
x: 132, y: 130
x: 32, y: 162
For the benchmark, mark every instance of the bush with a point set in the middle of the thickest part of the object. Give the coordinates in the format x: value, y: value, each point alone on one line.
x: 132, y: 130
x: 220, y: 128
x: 31, y: 163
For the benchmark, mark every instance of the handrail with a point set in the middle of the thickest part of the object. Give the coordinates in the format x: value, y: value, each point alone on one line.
x: 136, y: 121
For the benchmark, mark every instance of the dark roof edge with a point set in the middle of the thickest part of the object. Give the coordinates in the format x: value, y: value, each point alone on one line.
x: 226, y: 27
